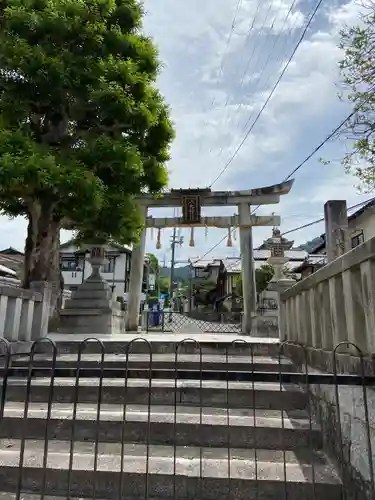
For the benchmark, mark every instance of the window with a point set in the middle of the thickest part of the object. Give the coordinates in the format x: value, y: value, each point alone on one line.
x: 109, y: 267
x: 358, y: 239
x: 69, y: 264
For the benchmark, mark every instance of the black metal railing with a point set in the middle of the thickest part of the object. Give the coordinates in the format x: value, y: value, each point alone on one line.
x: 189, y: 323
x: 239, y: 420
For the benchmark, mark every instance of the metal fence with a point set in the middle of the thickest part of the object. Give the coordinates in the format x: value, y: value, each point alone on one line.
x: 182, y: 421
x: 176, y: 322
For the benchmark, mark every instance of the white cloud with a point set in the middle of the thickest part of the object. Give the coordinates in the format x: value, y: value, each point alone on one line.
x: 210, y: 105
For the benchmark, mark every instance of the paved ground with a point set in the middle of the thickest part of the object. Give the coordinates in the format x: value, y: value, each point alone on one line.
x: 180, y: 323
x: 162, y: 337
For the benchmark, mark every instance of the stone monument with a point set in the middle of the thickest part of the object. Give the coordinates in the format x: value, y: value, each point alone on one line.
x: 278, y: 245
x: 92, y: 310
x: 268, y: 324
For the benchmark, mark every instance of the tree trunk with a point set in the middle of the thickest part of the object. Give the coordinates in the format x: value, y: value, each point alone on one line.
x: 42, y: 252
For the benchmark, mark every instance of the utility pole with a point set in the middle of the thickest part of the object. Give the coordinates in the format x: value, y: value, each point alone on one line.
x: 190, y: 262
x: 174, y: 241
x: 173, y: 246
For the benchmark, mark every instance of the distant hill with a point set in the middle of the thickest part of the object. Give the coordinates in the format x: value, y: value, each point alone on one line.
x: 310, y: 245
x: 180, y: 273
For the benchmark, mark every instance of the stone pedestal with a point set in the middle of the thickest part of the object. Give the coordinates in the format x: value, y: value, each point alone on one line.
x: 92, y: 310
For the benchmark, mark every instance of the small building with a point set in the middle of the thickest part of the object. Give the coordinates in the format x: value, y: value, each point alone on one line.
x: 312, y: 263
x: 261, y: 255
x: 12, y: 259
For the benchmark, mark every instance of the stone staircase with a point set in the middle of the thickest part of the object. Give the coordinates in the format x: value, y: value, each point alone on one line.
x: 203, y: 431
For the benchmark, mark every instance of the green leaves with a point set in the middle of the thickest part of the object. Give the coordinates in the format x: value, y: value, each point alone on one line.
x: 83, y: 128
x: 358, y: 72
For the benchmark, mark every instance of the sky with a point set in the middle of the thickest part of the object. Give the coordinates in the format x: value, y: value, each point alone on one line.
x: 220, y: 61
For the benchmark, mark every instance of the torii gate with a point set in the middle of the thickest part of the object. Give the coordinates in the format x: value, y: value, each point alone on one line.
x: 191, y: 201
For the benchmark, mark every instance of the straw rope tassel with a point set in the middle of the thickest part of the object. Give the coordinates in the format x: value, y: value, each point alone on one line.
x: 158, y: 244
x: 229, y: 241
x: 191, y: 242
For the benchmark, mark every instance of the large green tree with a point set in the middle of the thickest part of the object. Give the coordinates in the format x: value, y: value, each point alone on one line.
x: 358, y: 72
x: 83, y: 128
x: 154, y: 262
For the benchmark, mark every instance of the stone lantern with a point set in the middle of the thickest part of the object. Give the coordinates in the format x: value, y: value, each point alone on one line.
x: 92, y: 310
x: 278, y: 245
x: 268, y: 325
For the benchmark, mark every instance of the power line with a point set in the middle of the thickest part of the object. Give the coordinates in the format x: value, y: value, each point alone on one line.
x: 322, y: 219
x: 225, y: 53
x: 286, y: 232
x: 246, y: 40
x: 269, y: 59
x: 270, y: 94
x: 214, y: 247
x: 272, y: 52
x: 334, y: 132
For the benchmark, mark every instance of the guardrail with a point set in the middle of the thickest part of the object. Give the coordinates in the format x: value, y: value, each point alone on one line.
x: 137, y: 422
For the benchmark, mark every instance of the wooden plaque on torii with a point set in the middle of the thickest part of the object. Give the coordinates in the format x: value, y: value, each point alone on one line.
x: 191, y: 205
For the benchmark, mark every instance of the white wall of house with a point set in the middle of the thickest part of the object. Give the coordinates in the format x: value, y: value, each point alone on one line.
x: 362, y: 227
x: 76, y: 269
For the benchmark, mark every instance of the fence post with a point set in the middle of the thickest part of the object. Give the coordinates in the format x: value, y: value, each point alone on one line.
x: 13, y: 316
x: 41, y: 309
x: 26, y: 321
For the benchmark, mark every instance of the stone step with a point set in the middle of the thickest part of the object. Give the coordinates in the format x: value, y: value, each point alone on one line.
x: 162, y: 362
x: 165, y: 343
x: 183, y: 425
x: 178, y: 473
x: 29, y: 496
x: 211, y: 393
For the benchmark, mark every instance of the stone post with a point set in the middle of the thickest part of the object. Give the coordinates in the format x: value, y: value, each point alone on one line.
x: 247, y: 264
x: 135, y: 281
x: 336, y: 226
x: 41, y: 309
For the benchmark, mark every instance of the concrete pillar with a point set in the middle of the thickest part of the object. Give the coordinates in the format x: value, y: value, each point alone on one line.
x: 336, y: 226
x: 3, y: 313
x: 338, y: 314
x: 26, y: 321
x: 135, y: 281
x: 13, y: 316
x: 368, y: 286
x: 247, y: 264
x: 41, y: 309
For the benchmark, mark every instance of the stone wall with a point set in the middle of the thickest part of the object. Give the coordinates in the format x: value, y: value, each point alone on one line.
x: 348, y: 433
x: 24, y: 313
x: 335, y: 305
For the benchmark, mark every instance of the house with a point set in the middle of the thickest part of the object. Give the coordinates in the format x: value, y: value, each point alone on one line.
x: 229, y: 269
x: 261, y: 256
x: 12, y: 259
x: 312, y: 263
x: 75, y: 267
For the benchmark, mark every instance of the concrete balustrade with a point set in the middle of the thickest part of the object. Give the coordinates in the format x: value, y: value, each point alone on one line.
x: 334, y: 304
x: 24, y: 313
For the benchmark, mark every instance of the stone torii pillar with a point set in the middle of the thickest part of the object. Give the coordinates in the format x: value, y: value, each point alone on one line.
x: 247, y: 265
x: 136, y: 277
